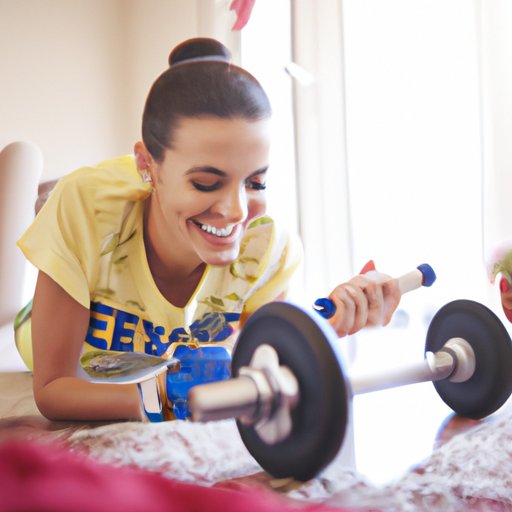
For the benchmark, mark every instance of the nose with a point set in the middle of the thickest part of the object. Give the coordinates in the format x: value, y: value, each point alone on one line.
x: 232, y: 204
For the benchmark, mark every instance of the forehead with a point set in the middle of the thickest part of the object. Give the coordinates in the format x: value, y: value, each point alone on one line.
x: 225, y: 139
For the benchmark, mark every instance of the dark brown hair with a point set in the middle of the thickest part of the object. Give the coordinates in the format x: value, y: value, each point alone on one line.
x: 200, y: 82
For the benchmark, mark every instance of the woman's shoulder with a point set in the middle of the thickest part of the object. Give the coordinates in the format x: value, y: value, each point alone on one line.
x: 97, y: 196
x: 117, y: 177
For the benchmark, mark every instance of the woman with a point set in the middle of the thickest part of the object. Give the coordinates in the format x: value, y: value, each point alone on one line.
x: 158, y: 251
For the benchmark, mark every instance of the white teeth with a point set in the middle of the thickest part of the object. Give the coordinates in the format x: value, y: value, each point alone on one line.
x: 220, y: 232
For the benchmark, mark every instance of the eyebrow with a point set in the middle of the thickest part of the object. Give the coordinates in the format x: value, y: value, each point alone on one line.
x: 222, y: 174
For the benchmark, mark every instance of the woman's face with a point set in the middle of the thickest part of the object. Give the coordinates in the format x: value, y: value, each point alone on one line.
x: 209, y: 187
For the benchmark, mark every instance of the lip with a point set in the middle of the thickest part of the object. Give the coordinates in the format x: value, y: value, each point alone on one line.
x: 216, y: 240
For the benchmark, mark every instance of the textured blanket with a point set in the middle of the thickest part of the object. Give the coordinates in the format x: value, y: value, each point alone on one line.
x: 470, y: 471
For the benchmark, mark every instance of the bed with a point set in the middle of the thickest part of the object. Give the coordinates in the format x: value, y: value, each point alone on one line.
x: 470, y: 467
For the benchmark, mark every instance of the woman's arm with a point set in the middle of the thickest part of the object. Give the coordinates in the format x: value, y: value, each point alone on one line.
x: 59, y: 327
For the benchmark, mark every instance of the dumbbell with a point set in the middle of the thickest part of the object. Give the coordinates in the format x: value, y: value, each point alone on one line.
x: 290, y: 391
x: 422, y: 275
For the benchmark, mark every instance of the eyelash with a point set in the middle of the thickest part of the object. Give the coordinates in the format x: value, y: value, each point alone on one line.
x: 206, y: 188
x: 254, y: 185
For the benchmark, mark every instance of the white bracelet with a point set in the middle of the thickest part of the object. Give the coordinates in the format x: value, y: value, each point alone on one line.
x: 150, y: 400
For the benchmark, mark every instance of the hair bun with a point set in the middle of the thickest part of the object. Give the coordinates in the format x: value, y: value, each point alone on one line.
x: 199, y: 48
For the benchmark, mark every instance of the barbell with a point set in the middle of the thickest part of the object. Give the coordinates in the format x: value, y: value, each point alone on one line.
x: 290, y: 391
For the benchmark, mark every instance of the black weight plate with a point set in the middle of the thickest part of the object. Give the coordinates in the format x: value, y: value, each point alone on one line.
x: 305, y: 344
x: 491, y: 384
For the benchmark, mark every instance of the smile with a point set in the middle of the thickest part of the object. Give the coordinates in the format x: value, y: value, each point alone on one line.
x: 219, y: 232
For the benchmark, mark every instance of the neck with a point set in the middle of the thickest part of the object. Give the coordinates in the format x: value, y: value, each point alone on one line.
x: 175, y: 273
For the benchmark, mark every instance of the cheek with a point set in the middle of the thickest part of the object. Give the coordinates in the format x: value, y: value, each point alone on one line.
x: 185, y: 205
x: 257, y: 208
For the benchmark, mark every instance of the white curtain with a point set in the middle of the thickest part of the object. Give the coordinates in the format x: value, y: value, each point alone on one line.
x: 324, y: 201
x: 406, y: 118
x: 496, y: 58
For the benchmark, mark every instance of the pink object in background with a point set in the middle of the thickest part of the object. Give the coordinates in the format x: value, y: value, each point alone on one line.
x: 243, y: 9
x: 506, y: 297
x: 368, y: 267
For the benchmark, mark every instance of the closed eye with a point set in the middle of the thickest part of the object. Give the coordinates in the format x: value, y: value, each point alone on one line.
x: 256, y: 185
x: 207, y: 188
x: 256, y: 181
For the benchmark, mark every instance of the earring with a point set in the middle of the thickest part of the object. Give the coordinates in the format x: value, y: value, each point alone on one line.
x: 146, y: 177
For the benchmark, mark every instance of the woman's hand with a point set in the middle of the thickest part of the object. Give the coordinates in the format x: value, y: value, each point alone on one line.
x: 364, y: 301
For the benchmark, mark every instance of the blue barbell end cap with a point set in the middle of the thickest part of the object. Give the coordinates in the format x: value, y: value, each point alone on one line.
x: 429, y: 276
x: 325, y: 307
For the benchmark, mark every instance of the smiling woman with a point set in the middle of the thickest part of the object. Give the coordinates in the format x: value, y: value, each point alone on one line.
x: 169, y: 250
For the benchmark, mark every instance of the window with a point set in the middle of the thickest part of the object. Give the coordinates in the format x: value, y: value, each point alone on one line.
x: 266, y: 52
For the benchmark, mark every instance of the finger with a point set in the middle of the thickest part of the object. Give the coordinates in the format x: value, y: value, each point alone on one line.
x: 351, y: 309
x: 392, y: 298
x: 375, y: 298
x: 383, y: 296
x: 358, y: 296
x: 371, y: 304
x: 345, y: 308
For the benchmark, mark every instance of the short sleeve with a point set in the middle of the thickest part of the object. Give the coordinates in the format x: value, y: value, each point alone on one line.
x: 65, y: 240
x: 62, y: 241
x: 286, y: 256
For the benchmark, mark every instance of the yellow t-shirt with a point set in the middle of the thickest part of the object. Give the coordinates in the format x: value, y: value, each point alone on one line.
x: 88, y: 238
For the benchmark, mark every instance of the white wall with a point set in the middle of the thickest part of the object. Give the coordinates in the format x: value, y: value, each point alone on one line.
x: 75, y: 73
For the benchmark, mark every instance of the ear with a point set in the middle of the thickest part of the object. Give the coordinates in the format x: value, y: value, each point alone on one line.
x: 143, y: 159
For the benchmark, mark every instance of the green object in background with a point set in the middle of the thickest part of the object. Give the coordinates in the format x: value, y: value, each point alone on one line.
x: 499, y: 261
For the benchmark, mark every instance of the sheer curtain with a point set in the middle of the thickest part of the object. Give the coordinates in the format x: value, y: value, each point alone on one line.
x: 392, y: 136
x: 496, y: 58
x: 401, y: 116
x: 404, y: 121
x: 403, y: 131
x: 320, y: 127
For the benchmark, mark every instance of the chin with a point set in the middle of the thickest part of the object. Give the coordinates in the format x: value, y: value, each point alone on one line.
x: 220, y: 262
x: 221, y: 259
